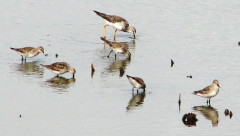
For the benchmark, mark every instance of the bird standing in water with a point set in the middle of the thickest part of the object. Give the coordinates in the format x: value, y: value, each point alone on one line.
x: 60, y: 68
x: 116, y: 22
x: 209, y: 91
x: 117, y: 48
x: 29, y: 52
x: 137, y: 82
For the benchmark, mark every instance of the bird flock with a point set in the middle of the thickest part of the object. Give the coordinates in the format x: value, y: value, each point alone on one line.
x: 119, y: 24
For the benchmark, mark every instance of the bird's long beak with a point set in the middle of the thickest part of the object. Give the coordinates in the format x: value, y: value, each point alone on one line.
x: 129, y: 58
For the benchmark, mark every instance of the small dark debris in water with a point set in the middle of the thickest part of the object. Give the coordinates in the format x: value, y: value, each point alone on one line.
x: 226, y: 112
x: 230, y: 114
x: 189, y: 76
x: 56, y: 55
x: 189, y: 119
x: 92, y: 67
x: 179, y: 102
x: 48, y: 35
x: 121, y: 72
x: 49, y: 44
x: 92, y: 70
x: 172, y: 63
x: 238, y: 43
x: 20, y: 116
x: 179, y: 99
x: 46, y: 55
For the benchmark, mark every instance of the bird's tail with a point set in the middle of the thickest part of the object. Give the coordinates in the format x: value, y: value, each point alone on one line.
x: 15, y: 49
x: 195, y: 92
x: 105, y: 16
x: 128, y: 76
x: 105, y: 40
x: 43, y: 65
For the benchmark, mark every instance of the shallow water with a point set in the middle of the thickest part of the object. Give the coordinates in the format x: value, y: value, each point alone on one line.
x: 199, y: 36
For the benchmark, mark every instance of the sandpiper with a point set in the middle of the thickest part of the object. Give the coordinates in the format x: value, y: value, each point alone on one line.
x: 136, y: 82
x: 116, y: 22
x: 209, y: 91
x: 117, y: 48
x: 29, y: 52
x: 60, y: 68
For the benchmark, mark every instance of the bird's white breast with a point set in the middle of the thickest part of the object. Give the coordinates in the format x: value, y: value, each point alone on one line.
x: 117, y: 50
x: 59, y: 72
x: 134, y: 83
x: 117, y: 25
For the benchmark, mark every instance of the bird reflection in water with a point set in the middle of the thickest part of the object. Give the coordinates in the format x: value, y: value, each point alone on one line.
x: 131, y: 44
x: 118, y: 66
x: 60, y: 83
x: 136, y: 100
x: 29, y: 68
x: 209, y: 113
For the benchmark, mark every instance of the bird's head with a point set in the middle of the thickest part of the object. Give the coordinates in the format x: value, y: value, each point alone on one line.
x: 216, y: 82
x: 40, y: 49
x: 132, y: 30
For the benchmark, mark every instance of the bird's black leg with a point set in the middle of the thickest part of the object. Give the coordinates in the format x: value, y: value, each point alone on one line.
x: 115, y: 56
x: 22, y: 57
x: 25, y: 59
x: 137, y: 91
x: 115, y: 34
x: 109, y: 53
x: 209, y: 101
x: 57, y: 75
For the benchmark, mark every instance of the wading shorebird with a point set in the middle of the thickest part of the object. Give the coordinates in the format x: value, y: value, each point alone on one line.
x: 136, y: 82
x: 28, y: 52
x: 60, y: 68
x: 209, y: 91
x: 116, y: 22
x: 117, y: 48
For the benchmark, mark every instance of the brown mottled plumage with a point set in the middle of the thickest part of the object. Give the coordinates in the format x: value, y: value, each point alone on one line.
x: 117, y: 48
x: 209, y: 91
x: 117, y: 22
x: 60, y: 68
x: 137, y: 82
x: 29, y: 52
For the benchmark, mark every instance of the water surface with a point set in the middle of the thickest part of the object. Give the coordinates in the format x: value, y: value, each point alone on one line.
x: 199, y: 36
